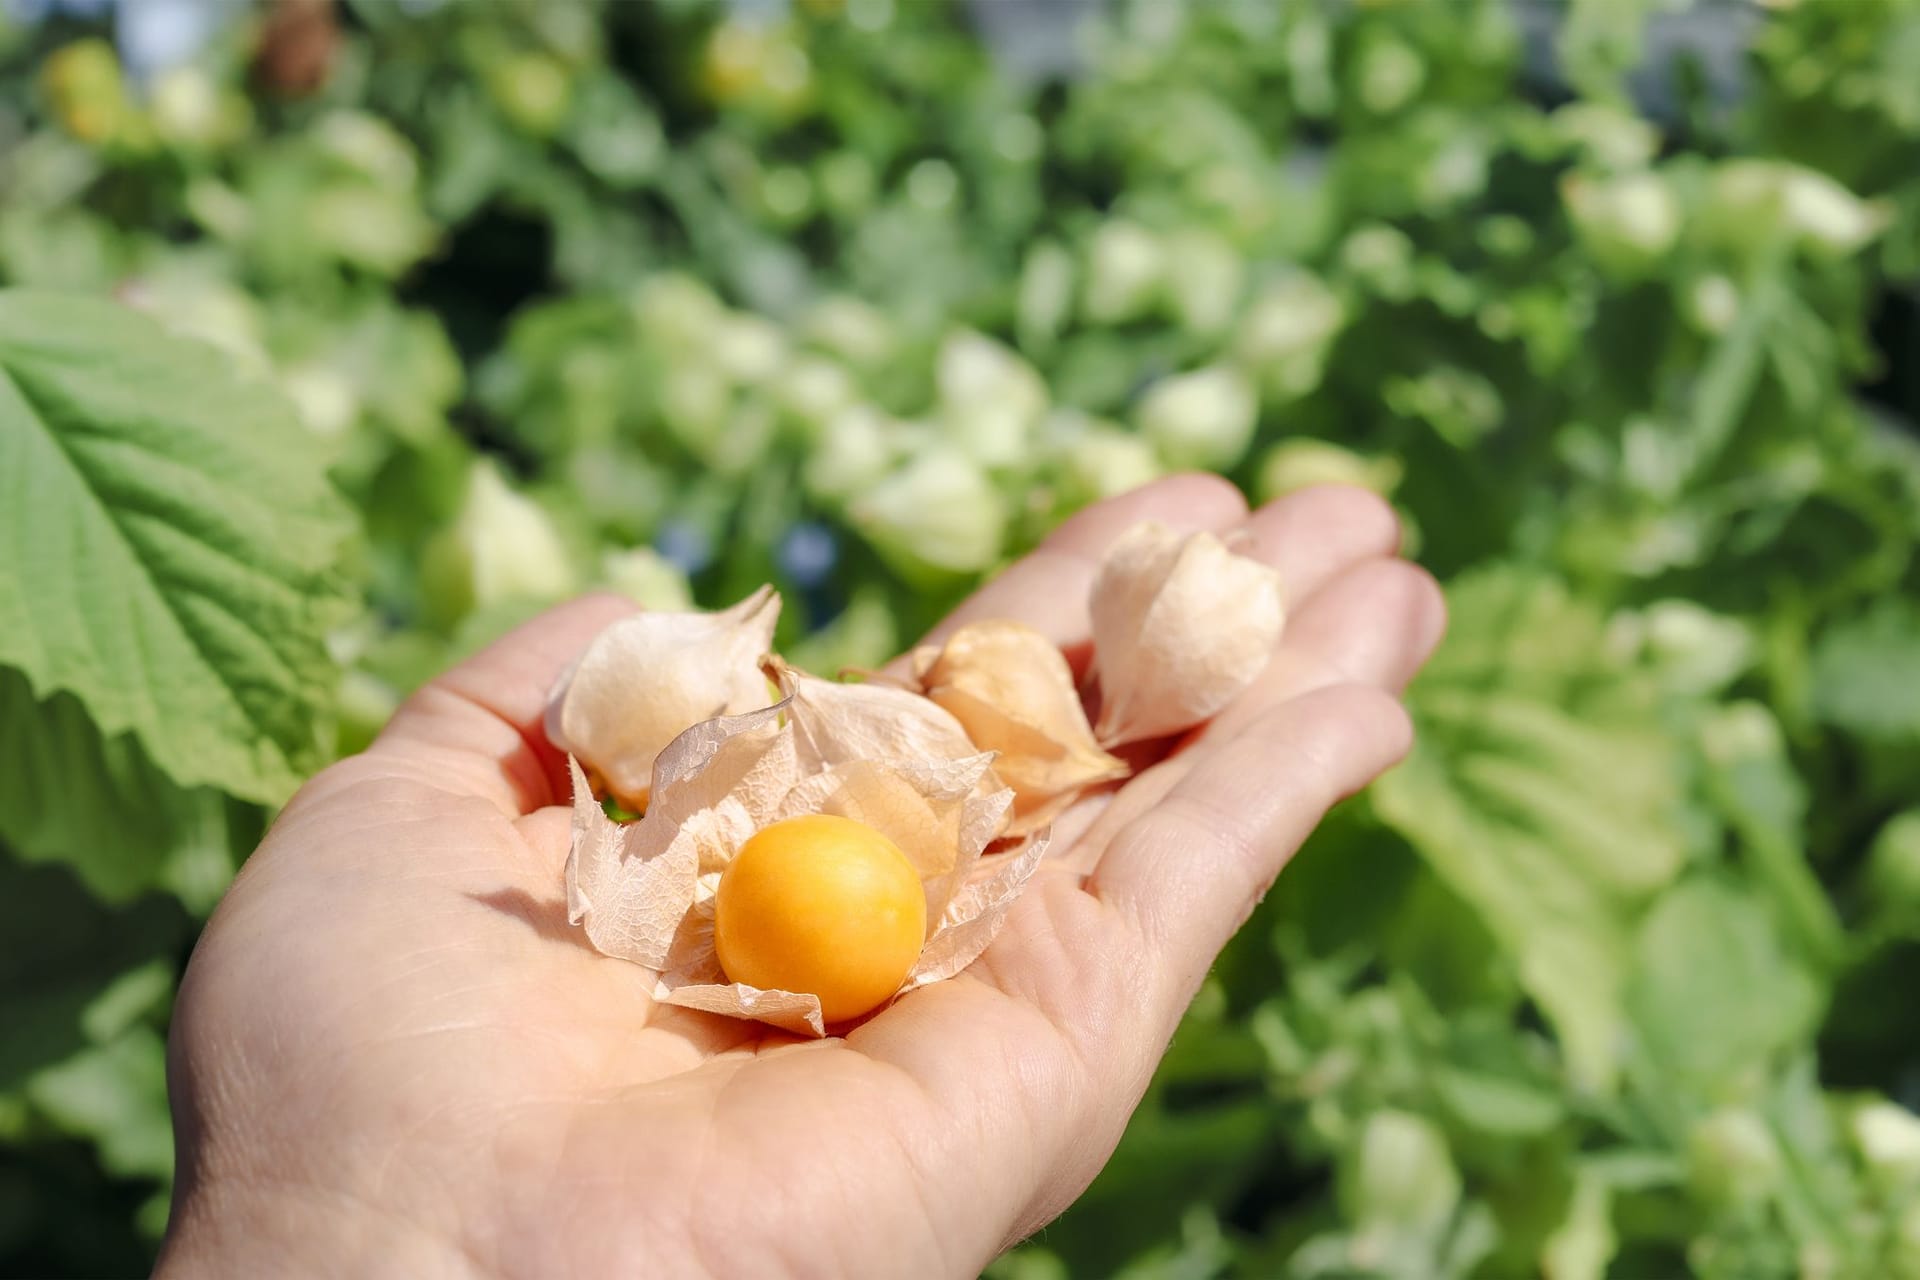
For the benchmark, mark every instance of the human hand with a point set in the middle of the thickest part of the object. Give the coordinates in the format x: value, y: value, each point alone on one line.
x: 392, y: 1054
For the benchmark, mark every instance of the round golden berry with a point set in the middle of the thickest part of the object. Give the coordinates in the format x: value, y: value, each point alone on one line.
x: 823, y: 905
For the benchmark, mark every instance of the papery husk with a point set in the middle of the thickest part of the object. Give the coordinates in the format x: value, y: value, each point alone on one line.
x: 1181, y: 624
x: 630, y: 883
x: 1013, y: 692
x: 645, y: 890
x: 974, y: 914
x: 647, y: 679
x: 837, y: 722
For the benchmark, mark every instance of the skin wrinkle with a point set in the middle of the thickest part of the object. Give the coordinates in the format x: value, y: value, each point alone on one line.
x: 544, y: 1150
x: 423, y: 965
x: 1033, y: 1040
x: 461, y: 1224
x: 357, y: 831
x: 1089, y: 1022
x: 379, y: 1178
x: 691, y: 1185
x: 879, y: 1097
x: 1316, y: 758
x: 1037, y: 1117
x: 523, y: 771
x: 862, y: 1184
x: 568, y: 1200
x: 570, y: 1208
x: 331, y: 1064
x: 1078, y: 1148
x: 1039, y: 1107
x: 1218, y: 835
x: 1038, y: 1205
x: 702, y: 1184
x: 1219, y: 848
x: 304, y: 1196
x: 537, y: 753
x: 943, y: 1248
x: 432, y: 772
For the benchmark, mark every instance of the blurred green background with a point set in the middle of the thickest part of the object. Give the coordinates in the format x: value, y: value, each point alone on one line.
x: 1614, y: 299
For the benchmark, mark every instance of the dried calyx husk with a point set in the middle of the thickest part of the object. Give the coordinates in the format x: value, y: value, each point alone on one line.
x: 668, y: 713
x: 1181, y: 625
x: 645, y: 680
x: 1013, y: 692
x: 645, y: 890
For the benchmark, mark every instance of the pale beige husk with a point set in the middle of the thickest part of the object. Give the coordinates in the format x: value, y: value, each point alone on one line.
x: 1013, y: 692
x: 886, y: 757
x: 1181, y: 625
x: 647, y: 679
x: 669, y: 712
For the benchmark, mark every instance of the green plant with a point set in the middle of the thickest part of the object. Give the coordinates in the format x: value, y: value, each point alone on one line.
x: 681, y: 299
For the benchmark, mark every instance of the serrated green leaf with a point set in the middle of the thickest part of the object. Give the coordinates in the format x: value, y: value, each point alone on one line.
x: 103, y: 808
x: 172, y: 536
x: 1543, y: 792
x: 1866, y: 673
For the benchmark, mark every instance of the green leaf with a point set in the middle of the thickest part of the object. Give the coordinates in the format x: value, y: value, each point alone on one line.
x: 1600, y: 41
x: 102, y: 807
x: 1585, y: 1242
x: 171, y: 537
x: 1714, y: 992
x: 115, y: 1095
x: 84, y: 992
x: 1199, y: 1132
x: 1753, y: 782
x: 1544, y: 792
x: 1731, y: 374
x: 1501, y: 1105
x: 83, y: 995
x: 73, y: 975
x: 1866, y: 673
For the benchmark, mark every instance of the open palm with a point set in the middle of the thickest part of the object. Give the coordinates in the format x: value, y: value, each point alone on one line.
x: 392, y: 1055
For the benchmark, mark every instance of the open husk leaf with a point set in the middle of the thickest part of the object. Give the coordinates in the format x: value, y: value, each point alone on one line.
x: 1181, y: 625
x: 1013, y: 693
x: 646, y: 680
x: 645, y: 890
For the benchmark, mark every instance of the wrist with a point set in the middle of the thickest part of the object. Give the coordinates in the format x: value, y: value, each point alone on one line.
x: 293, y: 1229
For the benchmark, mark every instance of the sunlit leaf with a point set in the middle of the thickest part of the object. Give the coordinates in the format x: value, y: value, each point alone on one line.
x: 171, y: 539
x: 1543, y: 791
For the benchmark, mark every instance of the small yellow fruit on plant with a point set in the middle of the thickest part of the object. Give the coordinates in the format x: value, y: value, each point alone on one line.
x: 822, y: 905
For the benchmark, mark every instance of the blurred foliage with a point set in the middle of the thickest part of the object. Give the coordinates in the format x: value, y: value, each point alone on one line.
x: 1614, y: 977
